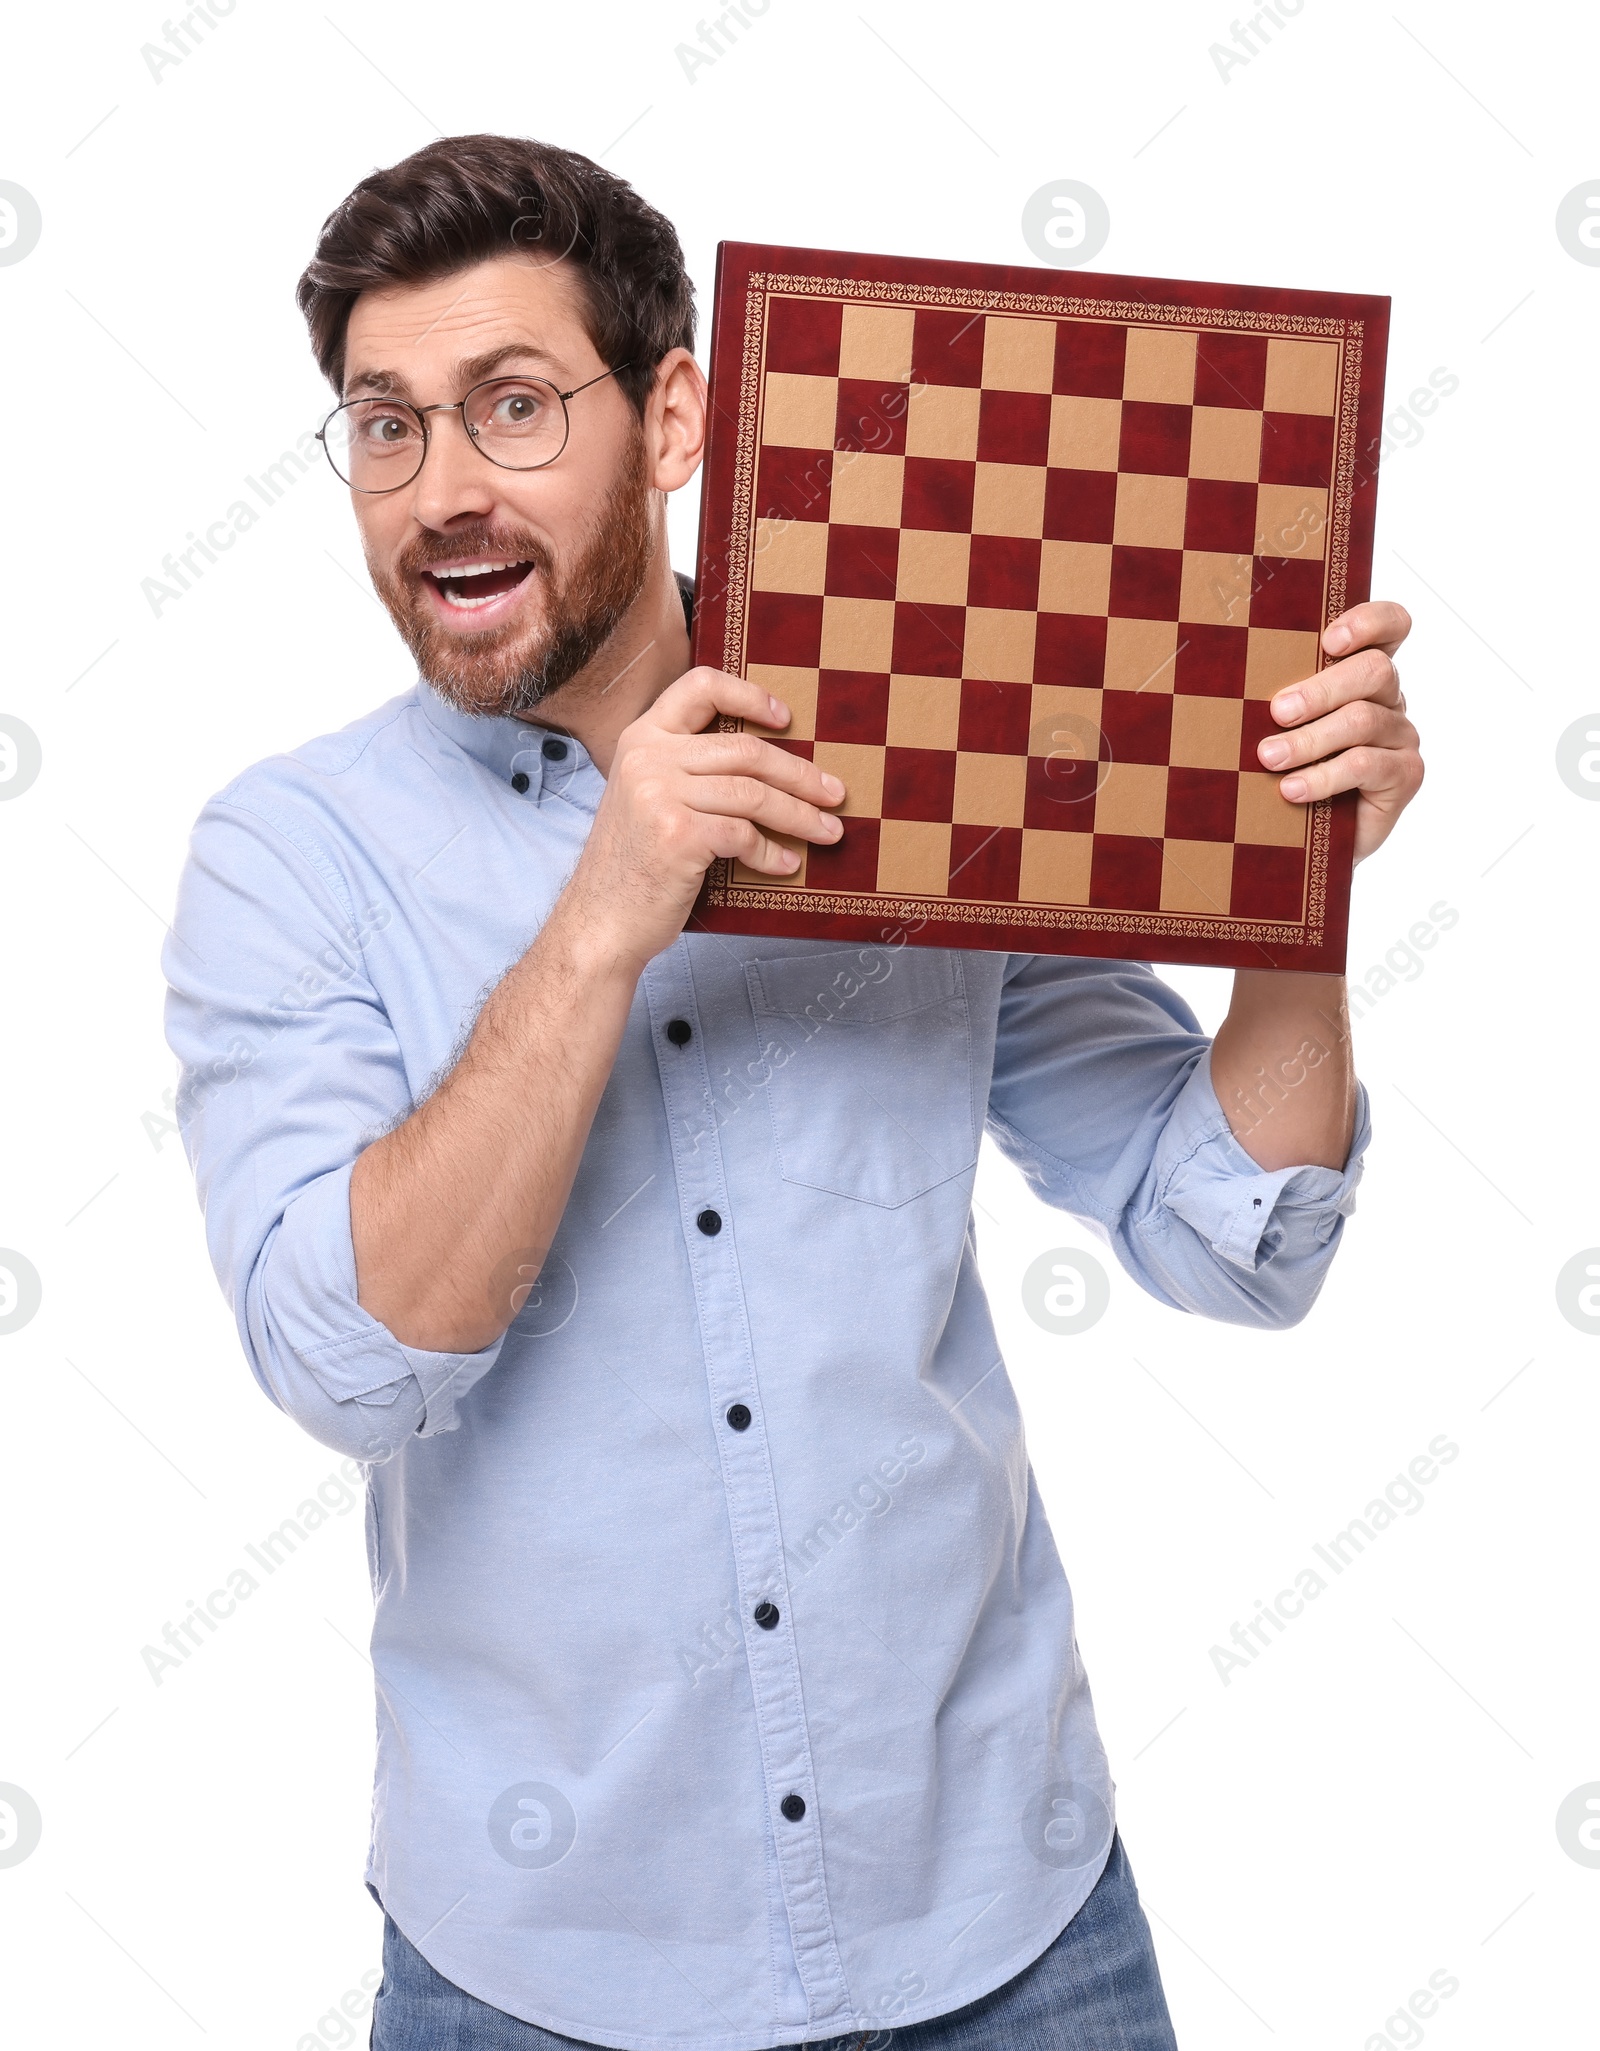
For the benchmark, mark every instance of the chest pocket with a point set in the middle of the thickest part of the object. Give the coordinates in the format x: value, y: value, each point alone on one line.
x: 870, y: 1053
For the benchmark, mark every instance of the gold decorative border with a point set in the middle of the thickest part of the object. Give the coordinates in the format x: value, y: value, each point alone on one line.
x: 722, y: 892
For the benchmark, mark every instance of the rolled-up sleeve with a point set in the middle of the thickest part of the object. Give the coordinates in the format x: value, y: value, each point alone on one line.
x: 289, y: 1066
x: 1102, y: 1096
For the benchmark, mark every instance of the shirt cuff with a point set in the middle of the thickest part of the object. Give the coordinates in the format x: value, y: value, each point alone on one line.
x: 309, y: 1294
x: 1248, y: 1214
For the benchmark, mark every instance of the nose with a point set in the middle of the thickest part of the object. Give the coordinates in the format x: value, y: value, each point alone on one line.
x: 455, y: 482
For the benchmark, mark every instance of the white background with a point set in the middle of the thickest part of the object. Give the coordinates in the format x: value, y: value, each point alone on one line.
x: 1374, y: 1798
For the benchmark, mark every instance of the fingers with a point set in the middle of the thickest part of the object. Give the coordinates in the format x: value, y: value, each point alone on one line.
x: 1370, y: 674
x: 720, y: 754
x: 747, y: 797
x: 742, y: 841
x: 689, y: 705
x: 1379, y: 623
x: 1388, y: 777
x: 1359, y: 724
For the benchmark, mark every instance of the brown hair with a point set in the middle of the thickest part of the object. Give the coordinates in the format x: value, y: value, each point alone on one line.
x: 467, y: 197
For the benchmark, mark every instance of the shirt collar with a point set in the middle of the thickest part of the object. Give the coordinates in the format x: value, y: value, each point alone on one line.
x: 509, y: 748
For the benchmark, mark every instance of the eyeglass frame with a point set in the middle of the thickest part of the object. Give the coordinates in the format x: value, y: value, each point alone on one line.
x: 460, y: 406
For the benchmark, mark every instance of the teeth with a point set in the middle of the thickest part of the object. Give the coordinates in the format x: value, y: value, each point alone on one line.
x: 474, y: 570
x: 462, y: 604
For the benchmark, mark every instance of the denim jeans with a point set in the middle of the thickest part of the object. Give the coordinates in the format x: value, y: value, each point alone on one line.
x: 1096, y: 1988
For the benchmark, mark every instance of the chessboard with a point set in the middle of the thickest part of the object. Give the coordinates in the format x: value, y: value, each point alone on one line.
x: 1027, y: 553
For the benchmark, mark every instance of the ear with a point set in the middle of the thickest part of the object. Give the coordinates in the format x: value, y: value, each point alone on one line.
x: 675, y: 421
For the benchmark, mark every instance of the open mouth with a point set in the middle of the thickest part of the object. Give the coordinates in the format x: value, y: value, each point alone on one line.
x: 472, y: 587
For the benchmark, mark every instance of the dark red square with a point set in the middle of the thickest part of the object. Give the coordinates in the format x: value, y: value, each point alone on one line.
x: 918, y: 783
x: 1220, y: 516
x: 1286, y: 591
x: 1014, y: 427
x: 1061, y: 790
x: 1155, y: 438
x: 852, y: 705
x: 1090, y: 356
x: 1256, y: 724
x: 1080, y: 505
x: 1125, y: 873
x: 928, y: 640
x: 1070, y: 648
x: 1231, y: 370
x: 1135, y: 726
x: 1296, y: 448
x: 986, y: 861
x: 1211, y: 661
x: 1003, y: 570
x: 803, y: 335
x: 784, y: 628
x: 1268, y: 883
x: 850, y: 863
x: 794, y: 484
x: 1201, y: 803
x: 937, y: 494
x: 994, y: 717
x: 1145, y: 583
x: 871, y: 418
x: 861, y: 562
x: 947, y: 348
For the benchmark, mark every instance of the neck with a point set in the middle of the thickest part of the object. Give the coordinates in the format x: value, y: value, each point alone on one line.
x: 648, y: 651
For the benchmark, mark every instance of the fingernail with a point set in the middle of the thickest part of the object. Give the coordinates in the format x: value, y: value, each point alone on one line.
x: 1293, y: 788
x: 779, y: 711
x: 790, y: 859
x: 836, y: 824
x: 1337, y: 637
x: 1273, y: 752
x: 832, y: 785
x: 1288, y: 705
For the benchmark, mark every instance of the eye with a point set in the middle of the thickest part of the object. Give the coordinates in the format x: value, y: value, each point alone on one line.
x: 516, y: 408
x: 378, y: 427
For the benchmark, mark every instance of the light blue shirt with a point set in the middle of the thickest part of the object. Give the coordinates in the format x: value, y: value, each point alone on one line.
x: 693, y: 1735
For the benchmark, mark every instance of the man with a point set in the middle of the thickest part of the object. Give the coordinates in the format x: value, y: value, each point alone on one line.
x: 728, y: 1693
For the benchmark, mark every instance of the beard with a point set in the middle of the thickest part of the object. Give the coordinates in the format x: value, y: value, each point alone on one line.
x: 508, y: 671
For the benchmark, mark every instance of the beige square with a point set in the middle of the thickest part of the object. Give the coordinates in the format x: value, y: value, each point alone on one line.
x: 1291, y: 520
x: 914, y: 857
x: 1225, y: 441
x: 924, y: 712
x: 1160, y: 366
x: 799, y: 412
x: 798, y: 690
x: 1150, y: 511
x: 1196, y: 876
x: 1140, y: 654
x: 1019, y: 355
x: 1008, y: 498
x: 999, y: 645
x: 933, y: 567
x: 1132, y: 800
x: 1275, y: 656
x: 1205, y: 733
x: 990, y: 790
x: 793, y: 879
x: 1074, y: 576
x: 1055, y: 867
x: 1264, y: 817
x: 790, y: 555
x: 875, y: 342
x: 860, y: 769
x: 1302, y: 377
x: 1064, y: 722
x: 942, y: 421
x: 867, y: 490
x: 1215, y: 591
x: 857, y: 633
x: 1085, y: 434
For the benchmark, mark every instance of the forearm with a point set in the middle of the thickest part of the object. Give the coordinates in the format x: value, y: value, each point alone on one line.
x: 1282, y: 1069
x: 454, y: 1210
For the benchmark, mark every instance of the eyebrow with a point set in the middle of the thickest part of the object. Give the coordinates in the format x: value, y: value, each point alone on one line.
x: 469, y: 371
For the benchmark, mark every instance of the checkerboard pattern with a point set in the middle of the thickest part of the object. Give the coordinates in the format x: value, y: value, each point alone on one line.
x: 1027, y: 583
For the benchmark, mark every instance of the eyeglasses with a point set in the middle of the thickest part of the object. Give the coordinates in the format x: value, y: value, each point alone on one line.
x: 519, y: 423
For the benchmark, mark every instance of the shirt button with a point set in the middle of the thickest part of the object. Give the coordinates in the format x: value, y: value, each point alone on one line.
x: 793, y: 1807
x: 710, y: 1223
x: 738, y: 1417
x: 766, y: 1615
x: 679, y: 1031
x: 520, y: 781
x: 554, y: 750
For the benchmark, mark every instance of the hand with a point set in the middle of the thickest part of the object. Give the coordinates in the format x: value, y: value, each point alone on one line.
x: 678, y: 797
x: 1349, y: 729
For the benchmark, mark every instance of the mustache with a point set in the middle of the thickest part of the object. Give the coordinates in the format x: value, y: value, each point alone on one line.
x: 502, y: 544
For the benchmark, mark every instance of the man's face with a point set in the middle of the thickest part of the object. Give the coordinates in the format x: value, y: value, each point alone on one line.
x: 504, y: 583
